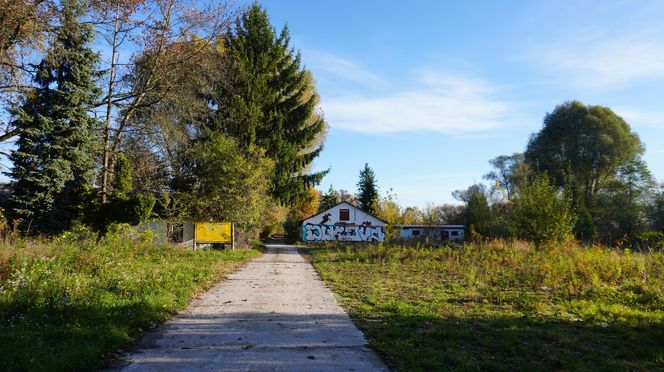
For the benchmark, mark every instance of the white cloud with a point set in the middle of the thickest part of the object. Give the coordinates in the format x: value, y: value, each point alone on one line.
x: 442, y: 102
x: 601, y: 60
x: 340, y: 67
x: 641, y: 118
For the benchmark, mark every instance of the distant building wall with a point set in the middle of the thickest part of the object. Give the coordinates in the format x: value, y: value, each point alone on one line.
x: 160, y: 229
x: 188, y: 233
x: 439, y: 232
x: 170, y: 232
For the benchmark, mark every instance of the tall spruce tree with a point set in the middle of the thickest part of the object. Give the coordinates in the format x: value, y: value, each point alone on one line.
x: 53, y: 162
x: 272, y: 104
x: 367, y: 189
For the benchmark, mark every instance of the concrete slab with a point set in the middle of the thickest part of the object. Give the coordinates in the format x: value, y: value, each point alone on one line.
x: 275, y: 314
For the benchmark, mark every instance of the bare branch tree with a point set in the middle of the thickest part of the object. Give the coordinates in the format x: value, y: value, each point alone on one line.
x: 165, y: 36
x: 24, y: 28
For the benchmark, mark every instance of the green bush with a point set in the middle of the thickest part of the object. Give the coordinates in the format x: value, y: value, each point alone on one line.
x: 652, y: 240
x: 540, y: 213
x: 132, y: 210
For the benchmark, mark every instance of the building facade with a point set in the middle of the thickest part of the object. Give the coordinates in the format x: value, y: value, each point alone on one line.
x: 343, y: 222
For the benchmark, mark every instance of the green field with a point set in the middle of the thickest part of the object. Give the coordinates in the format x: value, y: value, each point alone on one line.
x: 503, y: 306
x: 72, y: 303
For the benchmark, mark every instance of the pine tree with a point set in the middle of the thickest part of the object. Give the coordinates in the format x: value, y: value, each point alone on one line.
x: 53, y: 162
x: 273, y: 104
x: 367, y: 189
x: 328, y: 200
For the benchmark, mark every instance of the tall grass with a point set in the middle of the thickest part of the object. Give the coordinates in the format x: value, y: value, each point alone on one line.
x: 72, y: 302
x: 431, y: 308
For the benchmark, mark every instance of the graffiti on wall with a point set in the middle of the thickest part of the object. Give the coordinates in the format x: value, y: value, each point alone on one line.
x: 315, y: 233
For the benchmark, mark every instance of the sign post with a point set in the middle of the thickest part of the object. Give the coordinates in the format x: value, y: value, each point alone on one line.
x: 233, y: 235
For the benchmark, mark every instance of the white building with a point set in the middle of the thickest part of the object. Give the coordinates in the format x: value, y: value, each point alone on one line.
x: 434, y: 232
x: 343, y: 222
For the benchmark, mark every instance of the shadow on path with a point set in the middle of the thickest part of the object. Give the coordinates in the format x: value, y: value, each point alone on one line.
x: 274, y: 314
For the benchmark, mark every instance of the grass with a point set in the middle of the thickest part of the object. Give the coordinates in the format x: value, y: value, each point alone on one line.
x: 73, y: 303
x: 503, y: 306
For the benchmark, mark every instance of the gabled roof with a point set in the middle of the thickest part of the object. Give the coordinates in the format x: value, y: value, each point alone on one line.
x: 338, y: 204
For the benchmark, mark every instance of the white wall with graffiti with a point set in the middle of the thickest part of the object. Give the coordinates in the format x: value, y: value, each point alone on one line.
x: 343, y: 222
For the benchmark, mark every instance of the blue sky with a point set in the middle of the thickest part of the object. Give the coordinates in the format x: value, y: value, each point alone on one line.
x: 427, y: 92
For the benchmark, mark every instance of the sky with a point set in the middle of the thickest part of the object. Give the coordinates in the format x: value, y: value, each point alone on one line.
x: 427, y: 92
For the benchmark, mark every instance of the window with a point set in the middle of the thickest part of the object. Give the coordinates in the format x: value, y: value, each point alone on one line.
x: 416, y: 232
x: 344, y: 214
x: 455, y: 233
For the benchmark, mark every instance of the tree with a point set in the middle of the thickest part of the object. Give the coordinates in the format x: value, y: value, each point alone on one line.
x: 328, y: 199
x: 172, y: 37
x: 511, y: 172
x: 430, y: 214
x: 123, y: 205
x: 122, y: 179
x: 54, y: 159
x: 541, y: 213
x: 656, y: 210
x: 226, y: 183
x: 302, y: 209
x: 367, y: 190
x: 582, y: 147
x: 451, y: 214
x: 24, y: 26
x: 388, y: 210
x: 410, y: 215
x: 348, y: 197
x: 621, y: 208
x: 479, y: 218
x: 272, y: 105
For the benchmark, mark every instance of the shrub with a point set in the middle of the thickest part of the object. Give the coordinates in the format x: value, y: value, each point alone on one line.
x: 652, y: 240
x: 540, y: 213
x: 132, y: 210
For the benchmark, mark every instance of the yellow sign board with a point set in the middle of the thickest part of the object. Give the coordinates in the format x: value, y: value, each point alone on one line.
x: 214, y: 232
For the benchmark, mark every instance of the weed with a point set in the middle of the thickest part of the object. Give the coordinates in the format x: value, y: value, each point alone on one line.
x: 72, y: 302
x: 503, y: 305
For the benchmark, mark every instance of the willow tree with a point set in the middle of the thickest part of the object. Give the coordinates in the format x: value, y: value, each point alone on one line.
x: 271, y: 103
x: 582, y: 148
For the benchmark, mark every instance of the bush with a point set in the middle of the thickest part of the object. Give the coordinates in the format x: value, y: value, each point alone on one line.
x: 131, y: 210
x: 540, y: 213
x: 652, y: 240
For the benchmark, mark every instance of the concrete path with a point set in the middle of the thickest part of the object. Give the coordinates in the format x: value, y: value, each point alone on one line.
x: 275, y: 314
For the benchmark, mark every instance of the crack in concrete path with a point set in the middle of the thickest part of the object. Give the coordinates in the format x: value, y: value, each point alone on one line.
x: 275, y: 314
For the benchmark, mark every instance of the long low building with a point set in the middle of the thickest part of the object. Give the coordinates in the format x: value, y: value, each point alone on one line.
x: 434, y: 232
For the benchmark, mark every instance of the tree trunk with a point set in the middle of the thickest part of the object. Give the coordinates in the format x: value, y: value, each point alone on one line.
x: 106, y: 153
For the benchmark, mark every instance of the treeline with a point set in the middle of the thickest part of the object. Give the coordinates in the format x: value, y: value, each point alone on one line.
x: 581, y: 175
x: 193, y: 111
